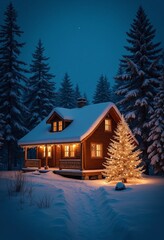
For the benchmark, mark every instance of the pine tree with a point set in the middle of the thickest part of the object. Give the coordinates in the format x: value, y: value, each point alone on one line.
x: 12, y: 80
x: 156, y: 134
x: 123, y: 160
x: 140, y: 79
x: 41, y: 88
x: 102, y: 92
x: 66, y: 93
x: 117, y: 85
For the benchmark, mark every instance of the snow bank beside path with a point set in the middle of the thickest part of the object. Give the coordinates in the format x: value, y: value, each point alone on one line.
x: 82, y: 209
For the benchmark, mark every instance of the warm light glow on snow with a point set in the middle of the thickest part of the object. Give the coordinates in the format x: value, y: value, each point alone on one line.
x: 132, y: 181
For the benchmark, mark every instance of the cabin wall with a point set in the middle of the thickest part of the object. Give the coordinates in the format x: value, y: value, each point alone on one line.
x: 100, y: 136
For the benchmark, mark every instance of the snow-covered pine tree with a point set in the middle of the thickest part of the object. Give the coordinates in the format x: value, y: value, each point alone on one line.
x: 12, y: 80
x: 103, y: 91
x: 66, y: 93
x: 156, y: 134
x: 40, y: 97
x: 140, y: 79
x: 124, y: 160
x: 117, y: 85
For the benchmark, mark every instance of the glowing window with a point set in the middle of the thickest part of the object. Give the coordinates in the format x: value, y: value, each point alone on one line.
x: 60, y: 126
x: 69, y: 150
x: 48, y: 151
x: 96, y: 150
x: 54, y: 127
x: 108, y: 125
x: 72, y: 150
x: 66, y: 151
x: 44, y: 151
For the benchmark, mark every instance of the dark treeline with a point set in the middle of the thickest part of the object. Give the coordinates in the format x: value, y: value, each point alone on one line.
x: 28, y: 93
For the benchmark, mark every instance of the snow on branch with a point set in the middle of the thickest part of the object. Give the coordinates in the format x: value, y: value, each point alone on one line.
x: 133, y: 66
x: 141, y: 102
x: 132, y: 93
x: 15, y: 110
x: 123, y: 77
x: 153, y: 64
x: 149, y: 81
x: 130, y: 115
x: 137, y: 131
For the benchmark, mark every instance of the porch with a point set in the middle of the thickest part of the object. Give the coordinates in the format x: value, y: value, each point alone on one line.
x: 62, y: 156
x: 33, y: 163
x: 63, y: 164
x: 70, y: 164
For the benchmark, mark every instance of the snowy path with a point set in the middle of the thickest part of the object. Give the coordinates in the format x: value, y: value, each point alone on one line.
x: 86, y: 219
x: 94, y: 216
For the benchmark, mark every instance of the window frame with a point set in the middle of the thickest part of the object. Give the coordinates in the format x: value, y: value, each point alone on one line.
x: 96, y: 153
x: 57, y: 126
x: 60, y: 126
x: 54, y: 126
x: 66, y: 150
x: 108, y: 125
x: 70, y: 150
x: 49, y: 151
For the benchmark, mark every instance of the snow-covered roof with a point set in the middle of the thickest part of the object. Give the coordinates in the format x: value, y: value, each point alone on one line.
x: 84, y: 121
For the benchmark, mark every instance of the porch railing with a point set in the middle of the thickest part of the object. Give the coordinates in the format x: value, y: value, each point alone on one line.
x: 32, y: 163
x: 70, y: 164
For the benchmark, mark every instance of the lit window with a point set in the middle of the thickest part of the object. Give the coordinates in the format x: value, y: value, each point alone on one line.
x: 44, y: 151
x: 60, y: 126
x: 69, y: 150
x: 72, y: 150
x: 54, y: 127
x: 96, y: 150
x: 66, y: 151
x: 108, y: 125
x: 48, y: 151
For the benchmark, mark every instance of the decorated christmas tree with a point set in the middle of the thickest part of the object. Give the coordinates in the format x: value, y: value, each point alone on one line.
x: 124, y: 160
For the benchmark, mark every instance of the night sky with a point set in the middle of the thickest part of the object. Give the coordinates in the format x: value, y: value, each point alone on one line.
x: 84, y: 38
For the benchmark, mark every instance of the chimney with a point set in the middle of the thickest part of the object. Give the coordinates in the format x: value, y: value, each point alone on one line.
x: 81, y: 102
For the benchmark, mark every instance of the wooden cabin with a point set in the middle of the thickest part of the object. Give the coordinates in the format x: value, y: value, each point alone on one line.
x: 73, y: 141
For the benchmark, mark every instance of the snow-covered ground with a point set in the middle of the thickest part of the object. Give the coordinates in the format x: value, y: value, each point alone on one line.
x: 81, y: 210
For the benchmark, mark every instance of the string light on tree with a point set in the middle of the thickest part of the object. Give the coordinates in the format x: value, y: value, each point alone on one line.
x: 123, y: 161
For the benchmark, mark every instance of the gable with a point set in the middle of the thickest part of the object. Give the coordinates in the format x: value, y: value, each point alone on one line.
x: 54, y: 117
x: 111, y: 110
x: 111, y: 115
x: 57, y: 122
